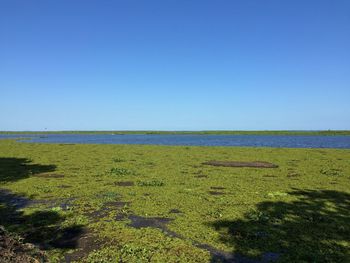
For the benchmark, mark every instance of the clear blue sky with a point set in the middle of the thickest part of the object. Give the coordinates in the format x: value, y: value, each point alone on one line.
x: 174, y: 65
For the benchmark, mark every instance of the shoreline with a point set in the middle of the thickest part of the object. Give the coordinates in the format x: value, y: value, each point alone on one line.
x: 145, y: 132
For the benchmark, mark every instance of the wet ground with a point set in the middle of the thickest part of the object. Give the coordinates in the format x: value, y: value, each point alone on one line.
x: 67, y: 202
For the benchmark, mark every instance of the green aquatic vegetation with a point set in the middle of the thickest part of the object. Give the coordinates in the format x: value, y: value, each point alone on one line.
x: 121, y: 171
x: 258, y: 216
x: 64, y: 196
x: 121, y: 254
x: 118, y: 160
x: 215, y: 214
x: 43, y: 188
x: 79, y: 220
x: 331, y: 172
x: 136, y: 253
x: 56, y: 209
x: 125, y: 210
x: 109, y: 196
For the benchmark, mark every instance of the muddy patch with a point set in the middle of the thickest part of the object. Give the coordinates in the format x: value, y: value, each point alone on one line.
x: 68, y: 238
x: 241, y: 164
x: 153, y: 222
x: 49, y: 175
x: 124, y: 184
x: 85, y: 244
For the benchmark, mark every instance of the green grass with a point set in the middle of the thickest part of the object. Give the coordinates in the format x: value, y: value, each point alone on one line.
x: 300, y: 210
x: 211, y: 132
x: 121, y: 171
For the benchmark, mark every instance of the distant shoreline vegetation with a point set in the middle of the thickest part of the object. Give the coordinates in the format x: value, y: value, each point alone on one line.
x: 211, y: 132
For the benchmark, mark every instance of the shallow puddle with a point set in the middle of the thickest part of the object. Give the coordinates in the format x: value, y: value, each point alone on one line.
x: 153, y: 222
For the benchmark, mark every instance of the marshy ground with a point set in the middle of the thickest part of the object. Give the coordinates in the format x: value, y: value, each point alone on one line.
x: 130, y: 203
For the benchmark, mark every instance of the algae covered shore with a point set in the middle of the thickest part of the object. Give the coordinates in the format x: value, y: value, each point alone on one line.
x: 133, y: 203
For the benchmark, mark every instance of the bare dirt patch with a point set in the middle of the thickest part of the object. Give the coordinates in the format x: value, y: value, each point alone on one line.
x: 13, y: 250
x: 255, y: 164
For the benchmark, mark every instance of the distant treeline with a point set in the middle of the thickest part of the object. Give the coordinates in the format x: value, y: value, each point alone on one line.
x: 324, y: 132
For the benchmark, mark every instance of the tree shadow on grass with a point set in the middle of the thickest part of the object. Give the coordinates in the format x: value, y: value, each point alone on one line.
x: 42, y: 227
x: 13, y: 169
x: 313, y: 228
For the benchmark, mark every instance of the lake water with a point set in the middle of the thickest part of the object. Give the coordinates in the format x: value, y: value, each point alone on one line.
x: 290, y: 141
